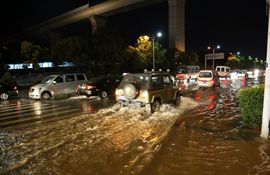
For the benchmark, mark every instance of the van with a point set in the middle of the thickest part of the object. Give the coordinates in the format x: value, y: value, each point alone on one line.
x: 223, y: 71
x: 57, y: 85
x: 186, y: 73
x: 208, y: 78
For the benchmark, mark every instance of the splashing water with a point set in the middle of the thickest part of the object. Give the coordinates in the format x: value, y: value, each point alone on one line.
x: 107, y: 142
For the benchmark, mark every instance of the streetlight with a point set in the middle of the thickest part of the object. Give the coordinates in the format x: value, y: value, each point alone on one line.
x: 213, y: 48
x: 213, y: 51
x: 159, y: 34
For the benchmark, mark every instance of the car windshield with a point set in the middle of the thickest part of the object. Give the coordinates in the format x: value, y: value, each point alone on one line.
x: 48, y: 80
x: 205, y: 74
x: 195, y: 69
x: 139, y: 80
x: 182, y: 70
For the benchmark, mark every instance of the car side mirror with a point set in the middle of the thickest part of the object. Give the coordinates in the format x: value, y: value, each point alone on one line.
x: 54, y: 82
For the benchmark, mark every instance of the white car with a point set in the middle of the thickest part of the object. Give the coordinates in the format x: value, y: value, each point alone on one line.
x: 208, y: 78
x: 223, y: 71
x: 238, y: 74
x: 57, y: 85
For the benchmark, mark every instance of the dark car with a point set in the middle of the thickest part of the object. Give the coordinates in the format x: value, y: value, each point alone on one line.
x: 7, y: 90
x: 101, y: 86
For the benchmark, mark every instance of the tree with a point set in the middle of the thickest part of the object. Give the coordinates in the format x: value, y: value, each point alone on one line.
x: 106, y: 51
x: 7, y: 78
x: 71, y: 49
x: 233, y: 61
x: 33, y: 53
x: 144, y: 50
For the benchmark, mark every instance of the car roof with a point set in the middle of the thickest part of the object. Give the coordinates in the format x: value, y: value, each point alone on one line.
x: 149, y: 73
x: 207, y: 71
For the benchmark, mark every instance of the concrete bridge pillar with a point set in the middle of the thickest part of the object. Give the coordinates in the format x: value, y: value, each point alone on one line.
x: 177, y: 24
x: 96, y: 22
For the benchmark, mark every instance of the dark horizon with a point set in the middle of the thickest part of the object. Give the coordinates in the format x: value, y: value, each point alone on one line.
x: 236, y: 26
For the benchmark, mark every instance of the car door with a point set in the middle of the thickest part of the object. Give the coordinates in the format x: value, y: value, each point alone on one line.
x: 70, y: 84
x: 168, y: 88
x: 57, y: 86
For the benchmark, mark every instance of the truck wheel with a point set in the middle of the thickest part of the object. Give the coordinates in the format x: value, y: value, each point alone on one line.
x: 103, y: 94
x: 4, y: 96
x: 155, y: 106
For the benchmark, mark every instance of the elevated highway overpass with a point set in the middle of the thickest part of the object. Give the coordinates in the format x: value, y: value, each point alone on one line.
x: 97, y: 13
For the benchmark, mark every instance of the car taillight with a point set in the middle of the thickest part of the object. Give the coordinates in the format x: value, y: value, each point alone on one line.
x: 90, y: 87
x: 145, y: 94
x: 212, y: 81
x: 119, y: 92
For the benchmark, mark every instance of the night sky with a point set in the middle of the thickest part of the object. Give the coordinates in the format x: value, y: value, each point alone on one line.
x: 236, y: 25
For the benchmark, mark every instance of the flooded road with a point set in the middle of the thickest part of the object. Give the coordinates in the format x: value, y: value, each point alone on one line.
x: 201, y: 136
x: 106, y: 142
x: 24, y: 112
x: 210, y: 140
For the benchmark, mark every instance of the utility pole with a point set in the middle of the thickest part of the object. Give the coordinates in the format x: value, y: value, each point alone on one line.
x: 266, y: 102
x: 153, y: 38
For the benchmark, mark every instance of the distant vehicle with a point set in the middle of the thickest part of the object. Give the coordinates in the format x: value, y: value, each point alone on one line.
x: 186, y: 73
x: 223, y: 71
x: 255, y: 73
x: 7, y: 90
x: 208, y: 78
x: 238, y: 74
x: 57, y: 85
x: 149, y: 89
x: 101, y: 86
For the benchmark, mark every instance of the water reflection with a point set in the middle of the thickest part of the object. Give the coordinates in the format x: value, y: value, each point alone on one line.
x: 37, y: 108
x: 209, y: 139
x: 104, y: 142
x: 212, y: 141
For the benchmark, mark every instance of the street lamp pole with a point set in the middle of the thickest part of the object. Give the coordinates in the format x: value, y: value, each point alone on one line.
x: 153, y: 53
x: 159, y: 34
x: 213, y: 60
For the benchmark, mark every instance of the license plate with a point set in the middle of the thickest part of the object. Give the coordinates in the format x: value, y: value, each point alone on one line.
x: 122, y: 98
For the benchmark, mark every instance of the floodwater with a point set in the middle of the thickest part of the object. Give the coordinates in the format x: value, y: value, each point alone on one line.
x: 211, y: 140
x: 106, y: 142
x: 203, y: 135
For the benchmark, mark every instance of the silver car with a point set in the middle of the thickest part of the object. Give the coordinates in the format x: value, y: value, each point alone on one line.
x: 57, y: 85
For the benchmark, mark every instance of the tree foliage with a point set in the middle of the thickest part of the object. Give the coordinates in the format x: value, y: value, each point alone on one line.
x: 106, y: 49
x: 7, y: 78
x: 144, y: 51
x: 33, y: 53
x: 71, y: 49
x: 233, y: 61
x: 181, y: 58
